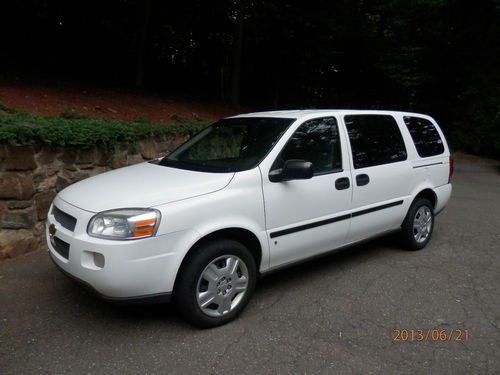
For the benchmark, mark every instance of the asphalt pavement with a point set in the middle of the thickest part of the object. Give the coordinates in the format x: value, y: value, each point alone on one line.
x: 341, y: 314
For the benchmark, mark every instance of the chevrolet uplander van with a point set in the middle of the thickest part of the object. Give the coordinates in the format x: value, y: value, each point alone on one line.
x: 247, y: 195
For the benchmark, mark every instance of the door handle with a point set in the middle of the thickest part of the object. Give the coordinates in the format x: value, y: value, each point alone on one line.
x: 342, y: 183
x: 362, y: 179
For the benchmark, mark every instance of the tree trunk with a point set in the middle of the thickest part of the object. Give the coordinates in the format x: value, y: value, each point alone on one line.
x: 237, y: 55
x: 143, y: 34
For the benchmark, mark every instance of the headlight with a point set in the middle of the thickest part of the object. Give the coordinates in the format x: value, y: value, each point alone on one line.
x: 125, y: 224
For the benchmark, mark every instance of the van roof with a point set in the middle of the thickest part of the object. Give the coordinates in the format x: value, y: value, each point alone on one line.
x: 299, y: 113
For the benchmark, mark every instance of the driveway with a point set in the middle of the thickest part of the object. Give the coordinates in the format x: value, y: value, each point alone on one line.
x: 337, y: 314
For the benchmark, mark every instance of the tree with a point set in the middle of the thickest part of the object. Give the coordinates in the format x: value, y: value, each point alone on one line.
x: 142, y: 40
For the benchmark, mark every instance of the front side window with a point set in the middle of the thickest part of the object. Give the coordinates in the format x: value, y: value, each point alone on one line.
x: 425, y: 136
x: 316, y: 141
x: 229, y: 145
x: 375, y: 140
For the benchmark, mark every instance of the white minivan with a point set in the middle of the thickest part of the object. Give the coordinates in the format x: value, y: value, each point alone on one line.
x: 247, y: 195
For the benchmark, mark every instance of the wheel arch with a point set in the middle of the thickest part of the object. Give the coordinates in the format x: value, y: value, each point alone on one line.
x: 429, y: 194
x: 423, y: 192
x: 244, y: 236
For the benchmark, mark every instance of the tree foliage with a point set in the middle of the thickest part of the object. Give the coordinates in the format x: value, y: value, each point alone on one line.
x: 440, y: 57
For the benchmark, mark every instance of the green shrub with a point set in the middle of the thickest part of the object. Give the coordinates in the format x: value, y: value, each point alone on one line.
x: 71, y: 114
x: 6, y: 109
x: 177, y: 118
x: 22, y: 128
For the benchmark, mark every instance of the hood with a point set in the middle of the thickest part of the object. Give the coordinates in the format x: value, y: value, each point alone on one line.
x: 141, y: 185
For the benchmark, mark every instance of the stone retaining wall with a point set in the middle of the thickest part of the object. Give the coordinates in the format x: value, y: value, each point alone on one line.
x: 31, y: 176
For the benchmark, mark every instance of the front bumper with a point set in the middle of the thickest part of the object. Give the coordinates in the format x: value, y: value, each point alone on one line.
x: 138, y: 300
x: 115, y: 270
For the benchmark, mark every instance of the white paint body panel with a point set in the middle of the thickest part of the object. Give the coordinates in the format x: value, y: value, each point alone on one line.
x: 141, y: 185
x: 301, y: 202
x: 388, y: 183
x: 196, y: 204
x: 313, y: 200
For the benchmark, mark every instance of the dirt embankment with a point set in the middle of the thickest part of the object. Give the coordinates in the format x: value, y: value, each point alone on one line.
x: 56, y: 98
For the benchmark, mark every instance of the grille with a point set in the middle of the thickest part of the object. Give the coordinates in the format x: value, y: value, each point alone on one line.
x: 61, y: 247
x: 67, y: 221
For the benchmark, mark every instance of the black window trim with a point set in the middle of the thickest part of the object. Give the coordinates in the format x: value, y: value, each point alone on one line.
x: 374, y: 114
x: 333, y: 171
x: 427, y: 165
x: 336, y: 170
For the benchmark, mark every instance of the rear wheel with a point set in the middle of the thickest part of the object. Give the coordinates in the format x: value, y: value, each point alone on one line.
x: 418, y: 225
x: 216, y: 283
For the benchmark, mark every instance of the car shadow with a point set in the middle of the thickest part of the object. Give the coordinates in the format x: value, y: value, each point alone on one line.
x: 329, y: 262
x: 86, y: 304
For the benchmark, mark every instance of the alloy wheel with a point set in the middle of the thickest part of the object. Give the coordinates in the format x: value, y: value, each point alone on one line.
x: 422, y: 224
x: 222, y: 285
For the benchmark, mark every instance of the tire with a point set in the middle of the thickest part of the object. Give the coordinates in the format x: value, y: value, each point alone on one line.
x: 418, y: 225
x: 216, y: 283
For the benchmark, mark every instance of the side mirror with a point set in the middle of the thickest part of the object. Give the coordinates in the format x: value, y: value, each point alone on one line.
x: 293, y: 169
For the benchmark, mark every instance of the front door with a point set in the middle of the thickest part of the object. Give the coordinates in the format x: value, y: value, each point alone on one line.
x: 308, y: 217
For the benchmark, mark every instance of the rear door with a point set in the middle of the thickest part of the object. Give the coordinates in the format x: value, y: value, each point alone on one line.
x: 307, y: 217
x: 381, y: 174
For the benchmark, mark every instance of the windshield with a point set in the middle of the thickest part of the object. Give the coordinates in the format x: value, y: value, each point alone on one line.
x: 229, y: 145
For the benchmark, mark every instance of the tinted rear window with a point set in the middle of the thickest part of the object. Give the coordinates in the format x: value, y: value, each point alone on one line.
x: 425, y: 136
x: 375, y: 140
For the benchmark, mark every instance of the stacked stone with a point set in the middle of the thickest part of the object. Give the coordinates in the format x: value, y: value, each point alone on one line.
x: 31, y: 176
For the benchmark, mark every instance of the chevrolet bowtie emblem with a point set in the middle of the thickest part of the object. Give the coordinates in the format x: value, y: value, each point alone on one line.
x: 52, y: 230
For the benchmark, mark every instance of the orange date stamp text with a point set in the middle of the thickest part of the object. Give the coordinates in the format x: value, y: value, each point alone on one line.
x: 430, y: 334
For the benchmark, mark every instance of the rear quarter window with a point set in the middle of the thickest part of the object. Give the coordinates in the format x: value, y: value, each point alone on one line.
x: 425, y: 136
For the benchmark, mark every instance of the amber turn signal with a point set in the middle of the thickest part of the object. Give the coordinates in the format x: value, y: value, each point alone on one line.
x: 144, y: 227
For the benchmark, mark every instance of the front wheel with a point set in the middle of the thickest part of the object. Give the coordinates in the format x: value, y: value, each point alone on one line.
x: 216, y: 283
x: 418, y: 225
